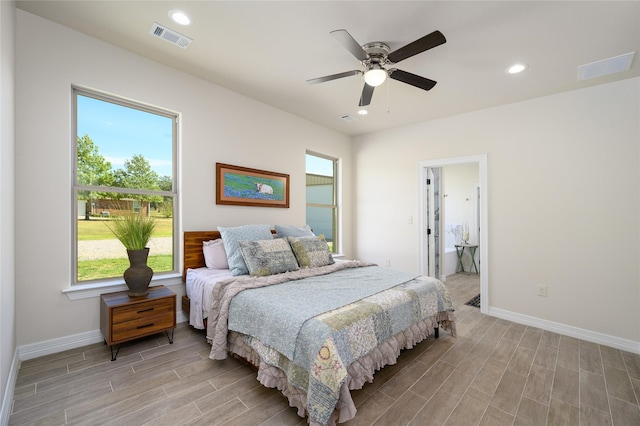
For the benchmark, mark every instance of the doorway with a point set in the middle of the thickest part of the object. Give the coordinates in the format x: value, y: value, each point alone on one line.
x: 432, y: 226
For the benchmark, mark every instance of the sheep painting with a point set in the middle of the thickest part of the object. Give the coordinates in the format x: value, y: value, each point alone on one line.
x: 263, y: 188
x: 248, y: 187
x: 242, y: 188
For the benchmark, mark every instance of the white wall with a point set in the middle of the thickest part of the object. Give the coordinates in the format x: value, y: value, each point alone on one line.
x: 216, y: 126
x: 564, y: 202
x: 460, y: 182
x: 7, y: 141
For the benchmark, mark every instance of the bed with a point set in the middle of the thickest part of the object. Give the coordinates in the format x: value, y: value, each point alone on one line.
x: 361, y: 318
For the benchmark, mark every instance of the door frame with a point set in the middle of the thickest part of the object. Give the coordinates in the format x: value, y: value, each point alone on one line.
x: 483, y: 243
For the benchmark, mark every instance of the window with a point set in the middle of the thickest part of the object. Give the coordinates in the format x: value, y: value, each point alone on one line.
x: 125, y: 163
x: 322, y: 206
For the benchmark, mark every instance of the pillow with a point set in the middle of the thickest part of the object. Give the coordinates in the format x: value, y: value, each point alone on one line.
x: 215, y: 257
x: 231, y: 236
x: 311, y: 251
x: 268, y: 257
x: 294, y: 231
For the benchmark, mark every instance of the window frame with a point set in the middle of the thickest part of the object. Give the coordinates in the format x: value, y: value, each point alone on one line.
x: 91, y: 285
x: 336, y: 247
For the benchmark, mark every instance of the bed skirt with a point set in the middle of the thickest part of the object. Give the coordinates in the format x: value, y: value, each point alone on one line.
x: 359, y: 372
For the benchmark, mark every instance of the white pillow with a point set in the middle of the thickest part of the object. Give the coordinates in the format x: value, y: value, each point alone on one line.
x: 215, y: 257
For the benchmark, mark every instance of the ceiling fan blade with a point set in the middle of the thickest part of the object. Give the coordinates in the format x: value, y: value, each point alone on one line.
x: 333, y: 77
x: 427, y: 42
x: 350, y: 43
x: 367, y: 94
x: 412, y: 79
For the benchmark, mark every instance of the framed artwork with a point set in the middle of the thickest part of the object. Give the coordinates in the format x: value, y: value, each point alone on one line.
x: 242, y: 186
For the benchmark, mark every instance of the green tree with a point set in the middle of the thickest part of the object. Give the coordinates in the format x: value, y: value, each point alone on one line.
x: 165, y: 183
x: 165, y: 208
x: 93, y: 169
x: 137, y: 174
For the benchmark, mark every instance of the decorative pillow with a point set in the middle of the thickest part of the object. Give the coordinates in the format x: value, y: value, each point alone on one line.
x: 294, y: 231
x: 231, y: 236
x: 215, y: 257
x: 311, y: 251
x: 268, y: 257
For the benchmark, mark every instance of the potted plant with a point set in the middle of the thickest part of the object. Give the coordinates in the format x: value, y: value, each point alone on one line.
x: 134, y: 231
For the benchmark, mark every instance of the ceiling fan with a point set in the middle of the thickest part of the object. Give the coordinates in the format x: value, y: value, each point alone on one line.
x: 375, y: 56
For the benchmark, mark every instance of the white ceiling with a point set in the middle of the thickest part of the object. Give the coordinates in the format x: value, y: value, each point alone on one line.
x: 267, y: 50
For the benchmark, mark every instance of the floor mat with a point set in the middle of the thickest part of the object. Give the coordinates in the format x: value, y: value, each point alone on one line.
x: 474, y: 302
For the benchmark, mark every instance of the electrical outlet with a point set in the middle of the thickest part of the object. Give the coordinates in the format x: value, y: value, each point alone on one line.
x: 542, y: 290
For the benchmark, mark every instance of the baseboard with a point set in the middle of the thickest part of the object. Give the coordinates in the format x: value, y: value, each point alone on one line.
x: 7, y: 401
x: 61, y: 344
x: 567, y: 330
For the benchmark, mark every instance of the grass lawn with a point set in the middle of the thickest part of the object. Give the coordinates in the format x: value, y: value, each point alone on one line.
x: 106, y: 268
x: 95, y: 229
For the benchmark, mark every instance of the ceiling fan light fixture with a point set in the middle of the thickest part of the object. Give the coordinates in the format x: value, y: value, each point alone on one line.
x: 375, y: 76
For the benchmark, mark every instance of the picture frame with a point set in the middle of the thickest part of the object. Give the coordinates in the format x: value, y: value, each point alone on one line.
x: 243, y: 186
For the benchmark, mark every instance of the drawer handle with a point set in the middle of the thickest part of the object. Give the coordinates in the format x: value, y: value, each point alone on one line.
x: 145, y: 310
x: 145, y: 326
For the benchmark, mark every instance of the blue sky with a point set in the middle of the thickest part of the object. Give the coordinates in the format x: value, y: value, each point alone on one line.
x: 121, y: 132
x: 319, y: 166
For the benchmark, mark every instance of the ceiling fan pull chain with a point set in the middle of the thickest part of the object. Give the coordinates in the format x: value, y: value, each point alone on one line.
x: 389, y: 97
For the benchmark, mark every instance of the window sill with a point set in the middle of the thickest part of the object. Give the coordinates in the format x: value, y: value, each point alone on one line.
x: 88, y: 291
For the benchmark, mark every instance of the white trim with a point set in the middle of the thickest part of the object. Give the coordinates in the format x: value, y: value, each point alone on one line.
x: 87, y: 291
x: 181, y: 317
x: 568, y: 330
x: 481, y: 159
x: 61, y: 344
x: 65, y: 343
x: 7, y: 401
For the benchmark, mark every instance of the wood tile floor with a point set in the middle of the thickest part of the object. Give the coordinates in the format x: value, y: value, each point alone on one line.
x: 494, y: 372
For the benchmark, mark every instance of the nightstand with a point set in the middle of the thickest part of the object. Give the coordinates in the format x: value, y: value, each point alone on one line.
x: 124, y: 318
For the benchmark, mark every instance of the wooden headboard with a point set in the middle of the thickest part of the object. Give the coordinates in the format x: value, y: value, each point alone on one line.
x: 192, y: 249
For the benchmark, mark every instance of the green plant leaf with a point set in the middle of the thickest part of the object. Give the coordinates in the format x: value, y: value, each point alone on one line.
x: 133, y: 230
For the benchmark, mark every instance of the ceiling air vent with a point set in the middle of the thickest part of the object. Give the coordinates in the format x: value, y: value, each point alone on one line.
x: 349, y: 118
x: 169, y: 35
x: 606, y: 66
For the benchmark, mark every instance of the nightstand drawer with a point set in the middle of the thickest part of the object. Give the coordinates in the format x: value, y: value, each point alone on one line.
x: 142, y: 326
x: 124, y: 318
x: 152, y: 308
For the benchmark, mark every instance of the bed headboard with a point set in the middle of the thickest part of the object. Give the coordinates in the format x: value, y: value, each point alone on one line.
x: 192, y: 249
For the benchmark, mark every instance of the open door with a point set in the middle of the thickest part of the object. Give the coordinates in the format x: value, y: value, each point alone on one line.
x: 433, y: 186
x: 431, y: 244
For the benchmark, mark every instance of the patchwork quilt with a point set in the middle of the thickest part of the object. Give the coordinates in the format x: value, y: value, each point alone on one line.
x: 335, y: 315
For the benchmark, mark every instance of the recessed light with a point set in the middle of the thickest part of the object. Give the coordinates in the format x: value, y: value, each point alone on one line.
x: 516, y: 68
x: 180, y: 17
x: 363, y: 112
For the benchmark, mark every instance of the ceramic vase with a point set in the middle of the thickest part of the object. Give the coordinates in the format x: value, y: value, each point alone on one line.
x: 138, y: 274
